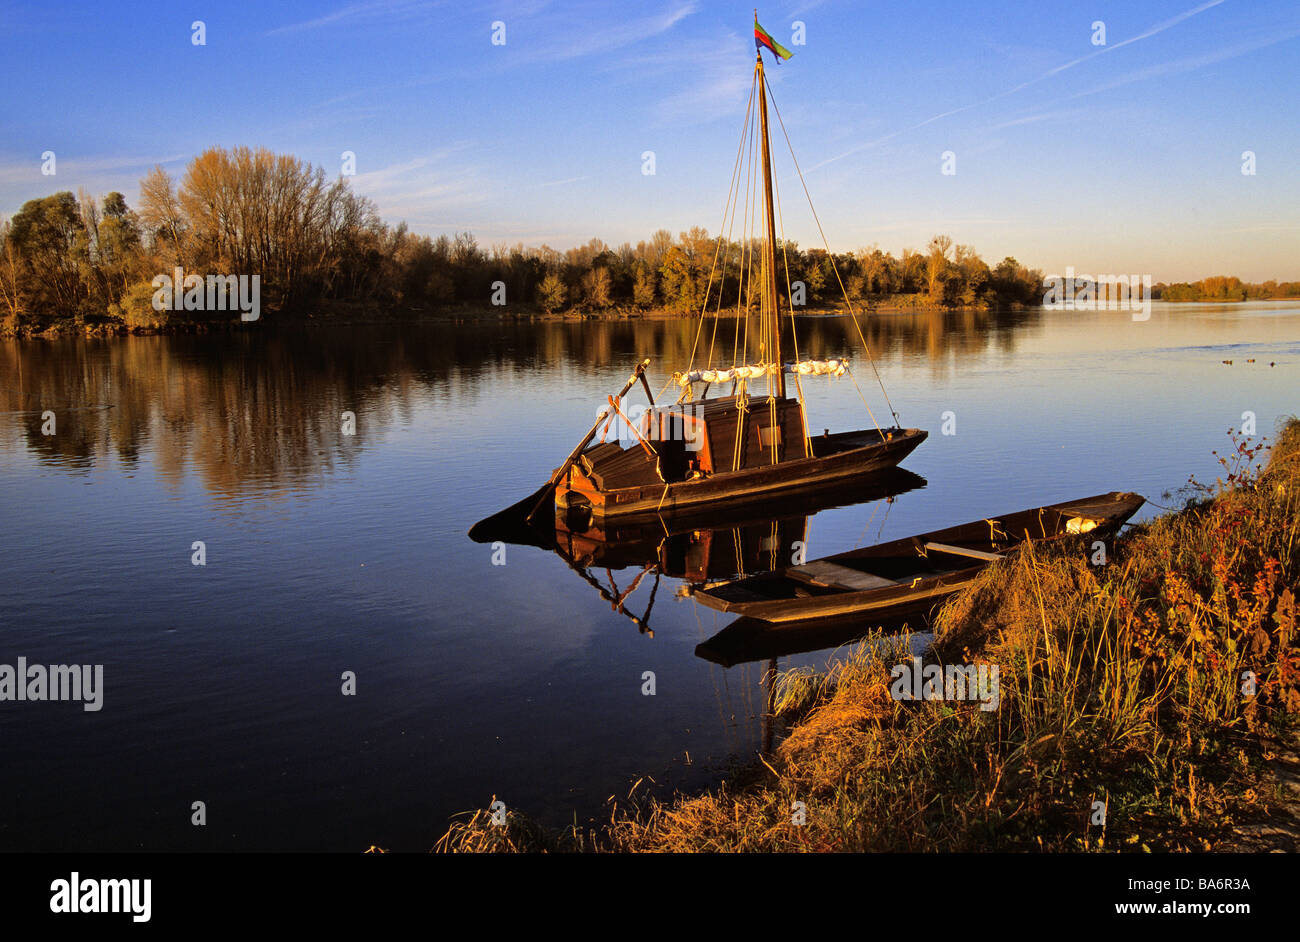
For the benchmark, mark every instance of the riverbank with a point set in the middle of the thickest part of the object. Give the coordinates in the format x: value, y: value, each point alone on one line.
x: 1143, y: 706
x: 344, y: 315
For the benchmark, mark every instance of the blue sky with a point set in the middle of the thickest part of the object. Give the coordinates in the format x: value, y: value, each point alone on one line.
x: 1118, y: 158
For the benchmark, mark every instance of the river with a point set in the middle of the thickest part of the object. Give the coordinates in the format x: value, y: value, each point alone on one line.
x: 327, y: 553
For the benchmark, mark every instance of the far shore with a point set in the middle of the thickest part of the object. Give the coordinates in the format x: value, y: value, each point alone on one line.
x: 345, y: 315
x: 352, y: 315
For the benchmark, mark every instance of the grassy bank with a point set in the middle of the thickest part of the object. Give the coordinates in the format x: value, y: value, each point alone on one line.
x: 1121, y: 691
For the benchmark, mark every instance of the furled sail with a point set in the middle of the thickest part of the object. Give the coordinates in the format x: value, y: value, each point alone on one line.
x: 834, y: 367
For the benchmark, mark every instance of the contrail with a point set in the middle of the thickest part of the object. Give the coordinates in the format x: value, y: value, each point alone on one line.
x: 1158, y: 28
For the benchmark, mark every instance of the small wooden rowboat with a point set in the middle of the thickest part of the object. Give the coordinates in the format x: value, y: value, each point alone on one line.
x: 917, y: 568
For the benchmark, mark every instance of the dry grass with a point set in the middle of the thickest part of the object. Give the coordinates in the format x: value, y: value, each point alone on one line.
x: 1120, y: 684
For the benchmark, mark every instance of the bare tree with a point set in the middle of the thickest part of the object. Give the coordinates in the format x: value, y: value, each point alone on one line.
x: 11, y: 288
x: 936, y: 265
x: 160, y: 212
x: 595, y: 285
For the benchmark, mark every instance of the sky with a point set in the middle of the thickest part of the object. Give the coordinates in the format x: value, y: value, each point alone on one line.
x: 1125, y: 157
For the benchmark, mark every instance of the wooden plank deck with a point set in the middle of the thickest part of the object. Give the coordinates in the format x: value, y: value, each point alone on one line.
x: 838, y: 577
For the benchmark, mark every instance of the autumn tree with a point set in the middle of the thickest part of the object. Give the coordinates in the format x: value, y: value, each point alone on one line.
x: 11, y: 284
x: 911, y: 268
x: 551, y: 293
x: 45, y: 236
x: 643, y: 286
x: 595, y: 287
x: 255, y: 212
x: 936, y: 266
x: 817, y: 271
x: 160, y: 216
x: 972, y: 277
x: 873, y: 267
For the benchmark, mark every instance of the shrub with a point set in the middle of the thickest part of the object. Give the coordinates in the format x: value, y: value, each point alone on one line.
x: 136, y: 309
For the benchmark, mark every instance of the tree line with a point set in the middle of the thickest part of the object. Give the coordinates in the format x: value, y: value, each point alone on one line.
x: 319, y: 249
x: 1225, y: 288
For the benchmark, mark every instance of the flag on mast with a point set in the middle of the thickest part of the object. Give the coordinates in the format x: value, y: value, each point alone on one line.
x: 763, y: 38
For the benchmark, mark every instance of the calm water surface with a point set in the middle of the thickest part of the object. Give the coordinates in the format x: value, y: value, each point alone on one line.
x: 328, y: 553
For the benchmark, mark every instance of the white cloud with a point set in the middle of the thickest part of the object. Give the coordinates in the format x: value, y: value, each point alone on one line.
x: 430, y: 192
x: 356, y: 14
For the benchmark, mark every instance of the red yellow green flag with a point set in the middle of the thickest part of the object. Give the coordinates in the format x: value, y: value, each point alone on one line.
x: 763, y: 38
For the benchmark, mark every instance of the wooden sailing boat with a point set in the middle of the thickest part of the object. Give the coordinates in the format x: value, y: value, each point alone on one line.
x: 752, y: 443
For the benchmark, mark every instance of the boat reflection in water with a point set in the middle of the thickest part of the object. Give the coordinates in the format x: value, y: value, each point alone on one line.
x: 625, y: 565
x: 698, y: 549
x: 748, y: 640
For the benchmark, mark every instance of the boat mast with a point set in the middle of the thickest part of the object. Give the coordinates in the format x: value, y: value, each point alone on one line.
x: 769, y: 255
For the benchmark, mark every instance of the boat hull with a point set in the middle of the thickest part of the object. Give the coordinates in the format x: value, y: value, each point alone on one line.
x: 847, y: 603
x: 648, y: 502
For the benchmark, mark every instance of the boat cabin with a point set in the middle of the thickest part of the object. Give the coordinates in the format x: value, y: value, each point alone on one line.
x: 697, y: 439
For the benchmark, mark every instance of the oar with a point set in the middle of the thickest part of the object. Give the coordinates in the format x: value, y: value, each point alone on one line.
x: 549, y: 488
